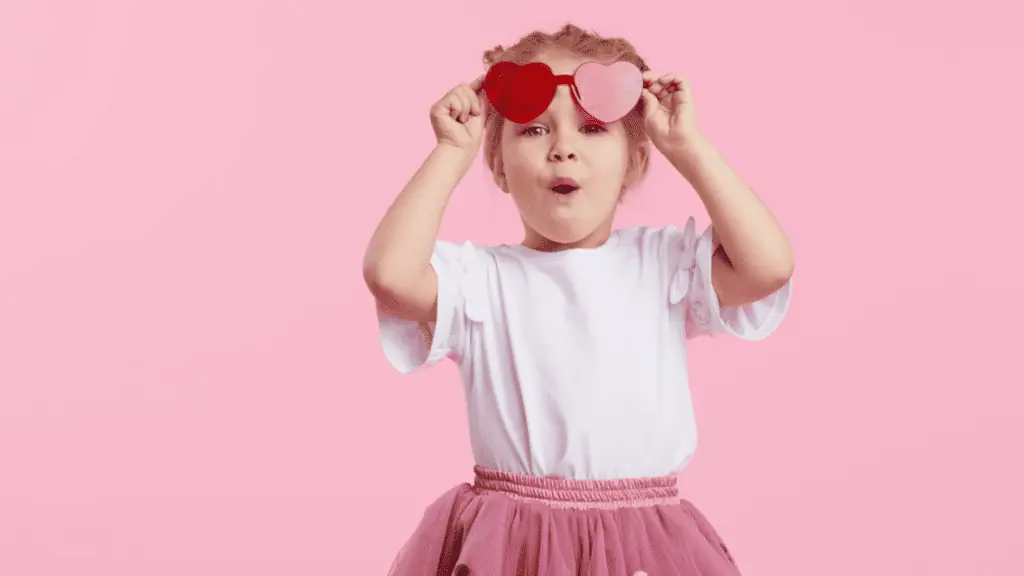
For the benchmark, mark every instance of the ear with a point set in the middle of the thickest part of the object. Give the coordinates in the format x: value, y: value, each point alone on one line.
x: 639, y: 158
x: 500, y: 182
x: 498, y: 172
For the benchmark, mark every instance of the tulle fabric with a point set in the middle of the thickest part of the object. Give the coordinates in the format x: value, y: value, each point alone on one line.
x: 510, y: 525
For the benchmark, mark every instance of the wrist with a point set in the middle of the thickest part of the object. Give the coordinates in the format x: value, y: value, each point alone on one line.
x: 688, y: 157
x: 455, y: 155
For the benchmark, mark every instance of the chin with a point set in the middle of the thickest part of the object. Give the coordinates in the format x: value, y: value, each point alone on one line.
x: 570, y: 222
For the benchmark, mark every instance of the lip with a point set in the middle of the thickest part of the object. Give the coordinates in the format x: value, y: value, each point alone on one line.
x: 564, y: 182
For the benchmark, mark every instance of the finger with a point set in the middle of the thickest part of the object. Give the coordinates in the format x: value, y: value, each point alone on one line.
x: 681, y: 93
x: 650, y: 78
x: 676, y: 83
x: 454, y: 105
x: 668, y: 85
x: 478, y: 84
x: 485, y: 105
x: 664, y: 94
x: 651, y: 103
x: 466, y: 103
x: 656, y: 88
x: 671, y: 79
x: 472, y: 100
x: 684, y: 87
x: 457, y: 105
x: 477, y: 108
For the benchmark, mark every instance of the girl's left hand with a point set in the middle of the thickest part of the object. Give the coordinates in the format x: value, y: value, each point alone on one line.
x: 669, y: 112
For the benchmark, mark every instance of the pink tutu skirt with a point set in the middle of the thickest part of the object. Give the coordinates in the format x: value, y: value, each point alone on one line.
x: 511, y: 525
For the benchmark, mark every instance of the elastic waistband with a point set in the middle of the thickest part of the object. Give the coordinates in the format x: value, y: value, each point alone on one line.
x: 566, y: 493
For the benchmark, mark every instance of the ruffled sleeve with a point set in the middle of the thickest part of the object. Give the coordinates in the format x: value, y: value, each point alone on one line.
x: 690, y: 257
x: 461, y: 300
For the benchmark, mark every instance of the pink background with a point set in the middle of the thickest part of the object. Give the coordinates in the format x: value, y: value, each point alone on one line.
x: 191, y: 376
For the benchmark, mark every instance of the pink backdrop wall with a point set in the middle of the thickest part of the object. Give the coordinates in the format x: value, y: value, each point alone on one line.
x: 190, y: 376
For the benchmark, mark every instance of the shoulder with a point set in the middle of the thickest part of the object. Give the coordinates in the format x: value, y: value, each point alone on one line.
x: 463, y: 254
x: 468, y: 261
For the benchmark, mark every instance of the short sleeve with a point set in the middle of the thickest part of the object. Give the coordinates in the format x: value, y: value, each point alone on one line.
x: 458, y: 293
x: 690, y: 256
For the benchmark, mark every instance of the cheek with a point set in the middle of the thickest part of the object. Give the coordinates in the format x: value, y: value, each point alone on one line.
x: 518, y: 162
x: 613, y: 160
x: 511, y: 148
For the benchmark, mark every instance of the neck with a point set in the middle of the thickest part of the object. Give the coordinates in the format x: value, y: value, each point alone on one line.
x: 595, y: 239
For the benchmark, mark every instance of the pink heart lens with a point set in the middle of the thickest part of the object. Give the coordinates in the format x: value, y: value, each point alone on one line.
x: 608, y: 93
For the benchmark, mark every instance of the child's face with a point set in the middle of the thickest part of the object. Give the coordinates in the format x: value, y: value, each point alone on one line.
x: 565, y: 143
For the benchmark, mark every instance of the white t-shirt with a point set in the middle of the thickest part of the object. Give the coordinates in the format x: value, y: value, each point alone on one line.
x: 574, y: 363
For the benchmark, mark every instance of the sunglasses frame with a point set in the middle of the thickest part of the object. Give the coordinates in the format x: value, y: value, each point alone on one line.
x: 530, y: 111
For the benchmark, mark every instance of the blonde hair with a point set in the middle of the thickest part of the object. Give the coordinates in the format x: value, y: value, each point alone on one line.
x: 574, y: 40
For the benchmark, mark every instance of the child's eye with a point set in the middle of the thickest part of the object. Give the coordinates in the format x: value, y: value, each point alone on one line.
x: 590, y: 128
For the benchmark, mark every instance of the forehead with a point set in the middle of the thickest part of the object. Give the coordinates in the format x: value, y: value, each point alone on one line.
x: 561, y: 61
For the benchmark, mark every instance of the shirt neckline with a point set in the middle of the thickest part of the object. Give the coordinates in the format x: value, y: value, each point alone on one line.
x: 611, y: 242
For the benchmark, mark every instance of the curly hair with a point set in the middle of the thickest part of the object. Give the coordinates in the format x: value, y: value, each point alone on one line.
x: 574, y: 40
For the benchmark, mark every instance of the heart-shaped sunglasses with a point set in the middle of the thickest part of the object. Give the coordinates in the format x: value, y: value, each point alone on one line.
x: 521, y: 93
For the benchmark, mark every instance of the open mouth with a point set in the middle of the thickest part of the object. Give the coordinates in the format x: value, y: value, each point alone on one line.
x: 565, y: 186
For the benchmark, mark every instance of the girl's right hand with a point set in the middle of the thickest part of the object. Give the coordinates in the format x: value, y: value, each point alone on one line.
x: 458, y: 117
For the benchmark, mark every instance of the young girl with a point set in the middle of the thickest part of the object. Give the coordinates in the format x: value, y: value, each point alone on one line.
x: 572, y: 344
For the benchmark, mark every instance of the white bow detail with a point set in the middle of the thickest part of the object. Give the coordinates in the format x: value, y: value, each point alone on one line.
x: 680, y: 284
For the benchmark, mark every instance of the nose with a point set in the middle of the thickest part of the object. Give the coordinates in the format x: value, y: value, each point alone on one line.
x: 558, y: 155
x: 564, y: 135
x: 562, y: 150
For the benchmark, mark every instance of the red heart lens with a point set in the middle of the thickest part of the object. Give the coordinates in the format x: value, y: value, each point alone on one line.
x: 520, y: 93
